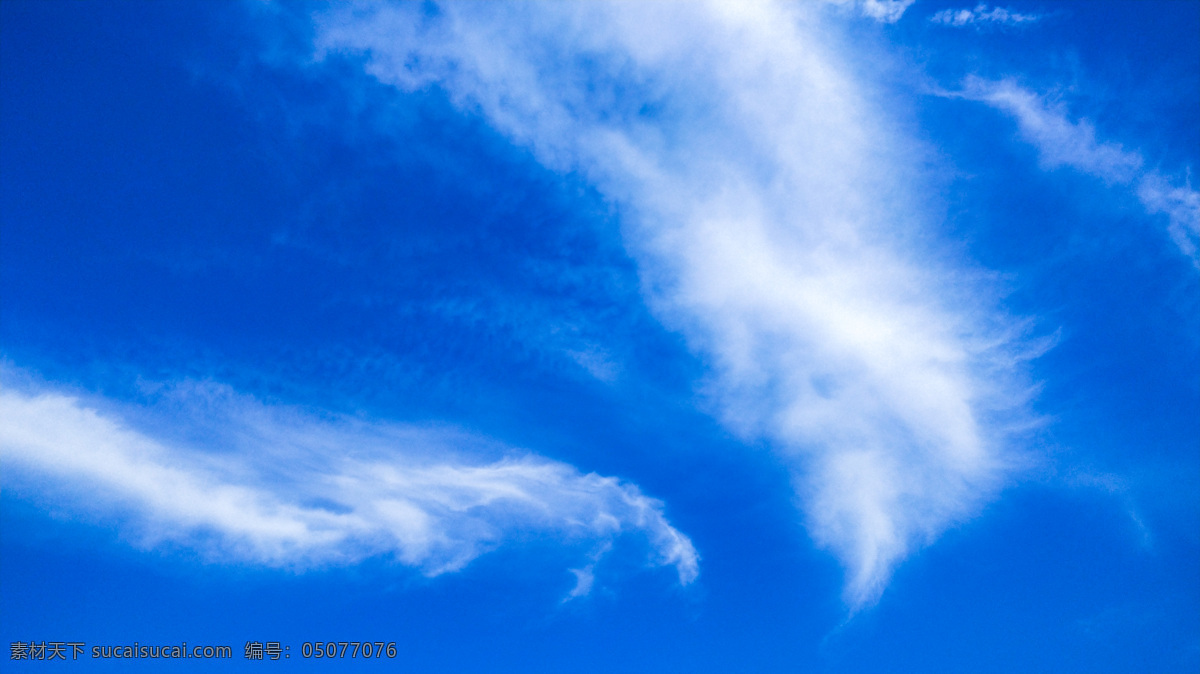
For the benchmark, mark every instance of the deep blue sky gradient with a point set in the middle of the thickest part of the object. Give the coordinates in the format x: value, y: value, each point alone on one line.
x: 177, y: 206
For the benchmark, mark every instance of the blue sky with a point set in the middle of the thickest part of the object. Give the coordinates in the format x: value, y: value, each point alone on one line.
x: 840, y: 336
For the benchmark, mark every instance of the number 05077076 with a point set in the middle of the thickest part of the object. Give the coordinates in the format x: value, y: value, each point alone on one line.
x: 348, y: 649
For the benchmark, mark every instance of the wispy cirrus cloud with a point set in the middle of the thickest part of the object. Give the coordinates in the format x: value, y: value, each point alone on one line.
x: 775, y: 225
x: 241, y: 480
x: 980, y: 17
x: 1181, y: 206
x: 1063, y: 142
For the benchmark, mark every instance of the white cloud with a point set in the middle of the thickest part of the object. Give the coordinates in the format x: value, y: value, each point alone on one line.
x: 775, y: 225
x: 885, y: 11
x: 1181, y: 205
x: 1064, y: 143
x: 286, y: 488
x: 981, y: 16
x: 1060, y: 141
x: 584, y: 577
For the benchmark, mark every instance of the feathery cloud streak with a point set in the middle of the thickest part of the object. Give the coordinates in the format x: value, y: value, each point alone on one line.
x: 981, y: 16
x: 766, y: 205
x: 288, y: 489
x: 1061, y: 142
